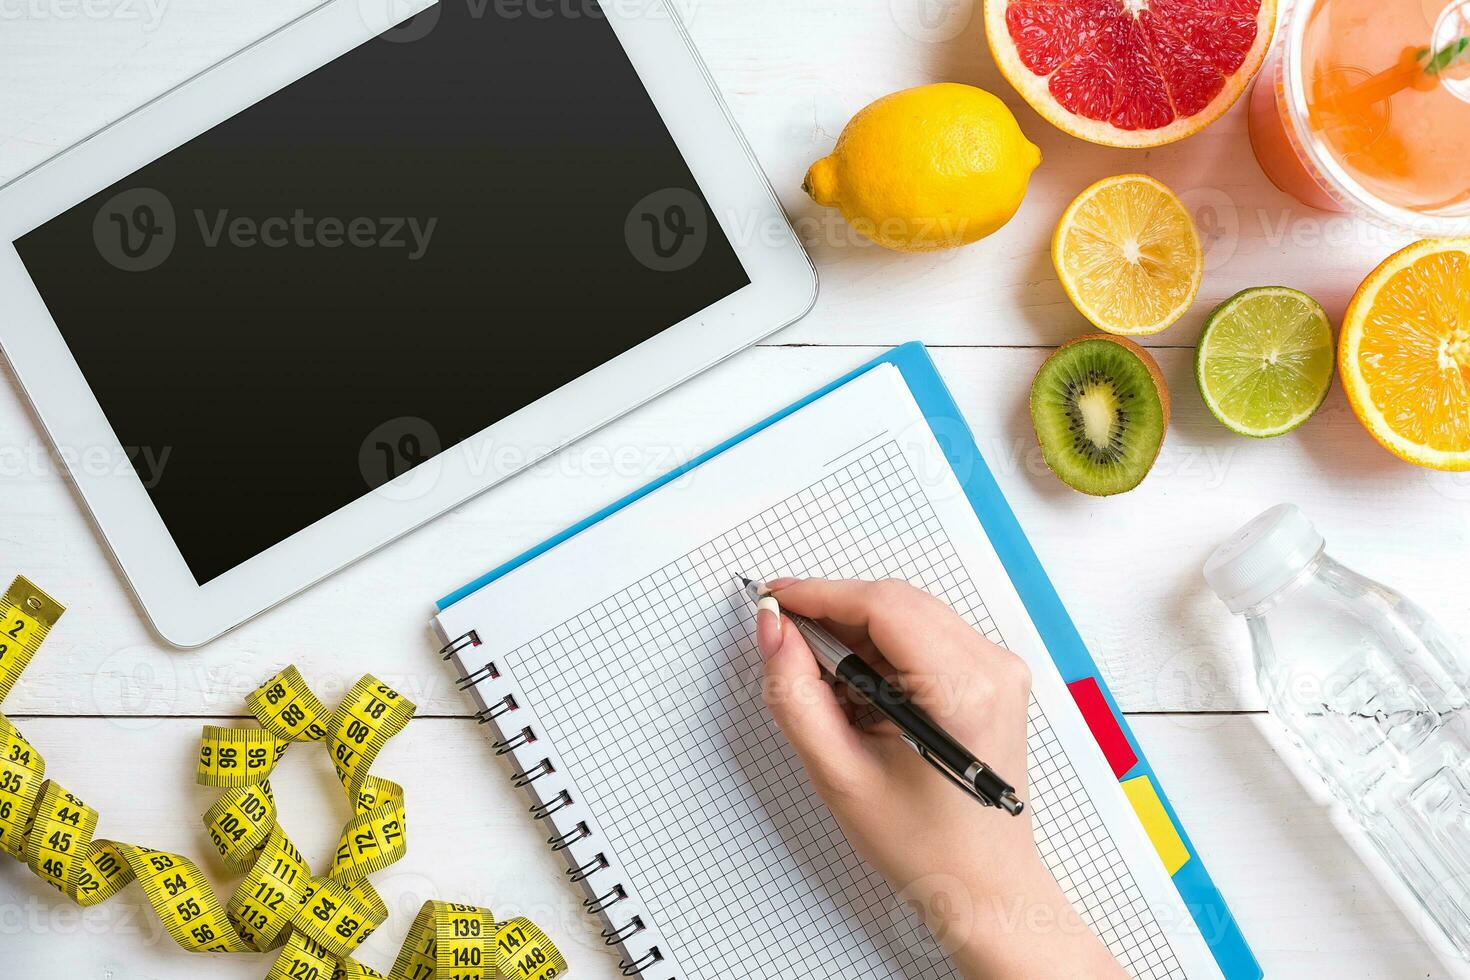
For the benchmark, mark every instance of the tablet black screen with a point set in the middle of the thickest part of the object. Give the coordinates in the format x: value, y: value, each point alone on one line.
x: 373, y: 264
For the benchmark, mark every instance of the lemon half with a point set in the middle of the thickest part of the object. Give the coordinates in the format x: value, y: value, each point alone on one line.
x: 1128, y: 255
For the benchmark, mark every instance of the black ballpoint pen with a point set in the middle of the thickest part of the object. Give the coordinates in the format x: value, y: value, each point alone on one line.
x: 934, y: 744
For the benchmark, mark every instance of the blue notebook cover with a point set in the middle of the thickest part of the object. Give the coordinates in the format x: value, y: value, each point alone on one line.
x: 1201, y: 897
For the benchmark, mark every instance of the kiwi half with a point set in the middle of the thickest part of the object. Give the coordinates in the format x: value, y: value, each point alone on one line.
x: 1100, y: 409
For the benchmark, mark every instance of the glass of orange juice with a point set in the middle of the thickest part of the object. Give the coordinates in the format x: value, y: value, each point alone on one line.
x: 1365, y: 107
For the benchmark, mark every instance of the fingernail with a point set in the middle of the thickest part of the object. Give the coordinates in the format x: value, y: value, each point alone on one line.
x: 768, y: 627
x: 781, y: 583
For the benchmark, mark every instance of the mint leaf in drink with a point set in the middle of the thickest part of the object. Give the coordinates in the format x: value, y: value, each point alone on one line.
x: 1446, y: 57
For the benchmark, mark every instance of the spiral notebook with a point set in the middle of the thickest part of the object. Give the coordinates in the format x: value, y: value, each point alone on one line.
x: 616, y: 669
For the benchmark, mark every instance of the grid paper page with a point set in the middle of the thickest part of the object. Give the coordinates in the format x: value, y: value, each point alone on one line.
x: 652, y: 699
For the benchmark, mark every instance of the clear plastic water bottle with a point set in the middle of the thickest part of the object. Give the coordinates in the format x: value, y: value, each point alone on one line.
x: 1373, y: 691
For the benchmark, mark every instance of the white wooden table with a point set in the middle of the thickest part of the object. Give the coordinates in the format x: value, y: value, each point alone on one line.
x: 117, y: 713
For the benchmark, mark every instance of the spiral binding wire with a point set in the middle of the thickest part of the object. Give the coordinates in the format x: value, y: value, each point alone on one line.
x: 556, y: 804
x: 636, y: 967
x: 615, y: 935
x: 589, y: 869
x: 506, y: 705
x: 524, y: 737
x: 486, y: 673
x: 595, y: 906
x: 523, y: 779
x: 470, y: 639
x: 564, y: 841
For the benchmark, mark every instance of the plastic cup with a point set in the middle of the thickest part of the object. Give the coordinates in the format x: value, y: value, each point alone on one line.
x: 1301, y: 161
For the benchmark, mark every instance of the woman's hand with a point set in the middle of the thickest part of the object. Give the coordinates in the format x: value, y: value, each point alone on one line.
x: 973, y: 872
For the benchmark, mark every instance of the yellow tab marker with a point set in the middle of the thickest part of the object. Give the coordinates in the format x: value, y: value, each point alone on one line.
x: 316, y: 921
x: 1155, y: 820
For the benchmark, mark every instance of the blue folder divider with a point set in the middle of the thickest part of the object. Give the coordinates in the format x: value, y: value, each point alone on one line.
x: 1203, y: 900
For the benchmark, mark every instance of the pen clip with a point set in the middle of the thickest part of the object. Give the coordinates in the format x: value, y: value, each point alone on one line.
x: 948, y: 773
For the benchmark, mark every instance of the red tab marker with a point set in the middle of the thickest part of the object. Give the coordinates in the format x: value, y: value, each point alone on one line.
x: 1104, y: 725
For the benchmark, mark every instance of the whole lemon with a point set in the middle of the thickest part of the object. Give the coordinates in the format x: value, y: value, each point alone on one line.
x: 927, y: 168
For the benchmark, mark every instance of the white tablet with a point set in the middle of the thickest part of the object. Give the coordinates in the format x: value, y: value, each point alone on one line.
x: 309, y: 293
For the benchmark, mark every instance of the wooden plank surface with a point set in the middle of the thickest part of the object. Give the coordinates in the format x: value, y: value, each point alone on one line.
x: 1304, y: 899
x: 122, y: 710
x: 793, y: 74
x: 1128, y: 566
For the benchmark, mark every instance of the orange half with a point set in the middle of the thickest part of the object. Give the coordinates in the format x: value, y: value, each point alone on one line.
x: 1404, y: 356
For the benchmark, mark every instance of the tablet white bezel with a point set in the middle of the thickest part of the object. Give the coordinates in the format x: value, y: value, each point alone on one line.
x: 782, y: 289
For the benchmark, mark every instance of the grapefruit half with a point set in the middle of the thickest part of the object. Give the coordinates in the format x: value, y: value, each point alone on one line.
x: 1130, y: 72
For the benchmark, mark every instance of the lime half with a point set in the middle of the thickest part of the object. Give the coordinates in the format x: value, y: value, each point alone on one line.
x: 1264, y: 361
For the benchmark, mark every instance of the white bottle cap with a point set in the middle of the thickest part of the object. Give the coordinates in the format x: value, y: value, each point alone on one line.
x: 1263, y: 556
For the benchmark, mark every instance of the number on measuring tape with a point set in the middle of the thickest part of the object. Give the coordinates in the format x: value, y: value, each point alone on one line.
x: 317, y: 922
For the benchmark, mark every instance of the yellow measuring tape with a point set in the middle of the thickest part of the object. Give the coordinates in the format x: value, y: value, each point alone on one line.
x: 317, y: 921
